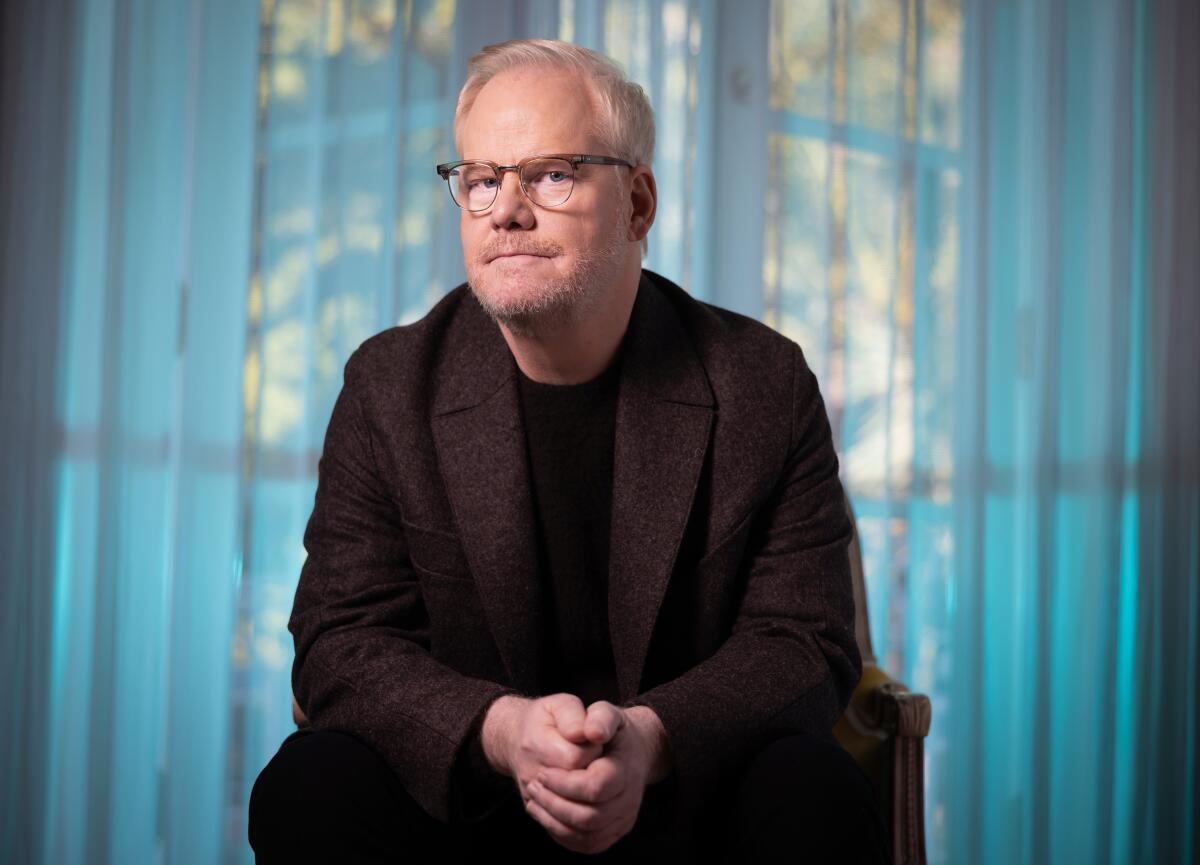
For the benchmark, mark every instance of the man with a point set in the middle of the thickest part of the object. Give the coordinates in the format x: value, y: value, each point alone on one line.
x: 577, y: 577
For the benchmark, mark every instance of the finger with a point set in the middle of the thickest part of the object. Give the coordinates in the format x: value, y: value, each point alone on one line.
x: 580, y: 817
x: 543, y: 742
x: 568, y: 716
x: 562, y: 833
x: 601, y: 781
x: 556, y: 750
x: 579, y: 842
x: 603, y: 721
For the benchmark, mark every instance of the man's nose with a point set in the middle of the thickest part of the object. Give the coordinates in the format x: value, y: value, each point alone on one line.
x: 511, y: 209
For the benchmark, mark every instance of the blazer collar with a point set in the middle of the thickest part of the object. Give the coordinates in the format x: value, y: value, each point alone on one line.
x: 663, y: 427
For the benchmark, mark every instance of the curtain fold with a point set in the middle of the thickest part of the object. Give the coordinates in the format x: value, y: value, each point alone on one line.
x: 29, y: 370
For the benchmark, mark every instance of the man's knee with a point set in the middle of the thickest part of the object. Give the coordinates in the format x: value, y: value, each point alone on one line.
x: 805, y: 795
x: 804, y: 768
x: 324, y: 787
x: 313, y: 773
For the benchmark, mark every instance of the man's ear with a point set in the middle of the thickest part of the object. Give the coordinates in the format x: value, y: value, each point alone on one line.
x: 643, y: 195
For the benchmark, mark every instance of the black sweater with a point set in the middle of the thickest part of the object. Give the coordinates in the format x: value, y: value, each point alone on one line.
x: 569, y: 434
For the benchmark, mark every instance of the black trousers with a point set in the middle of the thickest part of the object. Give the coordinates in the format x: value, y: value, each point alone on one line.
x: 327, y: 797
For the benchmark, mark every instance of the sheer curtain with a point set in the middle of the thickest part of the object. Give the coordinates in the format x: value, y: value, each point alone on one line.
x: 982, y: 228
x: 977, y: 218
x: 1071, y: 682
x: 126, y: 224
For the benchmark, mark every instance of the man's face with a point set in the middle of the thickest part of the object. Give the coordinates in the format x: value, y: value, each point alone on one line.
x: 575, y: 250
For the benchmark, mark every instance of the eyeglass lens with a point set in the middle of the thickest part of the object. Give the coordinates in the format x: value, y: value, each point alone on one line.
x: 547, y: 182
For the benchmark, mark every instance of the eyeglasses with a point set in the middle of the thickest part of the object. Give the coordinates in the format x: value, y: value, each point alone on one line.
x: 546, y: 180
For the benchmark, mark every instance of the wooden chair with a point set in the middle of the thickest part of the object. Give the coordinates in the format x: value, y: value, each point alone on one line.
x: 884, y: 729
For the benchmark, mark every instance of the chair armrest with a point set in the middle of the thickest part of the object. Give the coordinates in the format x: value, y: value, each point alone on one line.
x: 884, y: 729
x: 901, y: 712
x: 882, y: 708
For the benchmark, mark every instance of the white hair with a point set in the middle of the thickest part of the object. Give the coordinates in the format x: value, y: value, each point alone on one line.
x: 624, y: 120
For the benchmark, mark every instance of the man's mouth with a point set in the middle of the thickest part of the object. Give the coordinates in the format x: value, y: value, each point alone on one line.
x: 521, y: 249
x: 517, y: 255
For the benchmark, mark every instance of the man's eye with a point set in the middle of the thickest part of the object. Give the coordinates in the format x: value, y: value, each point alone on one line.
x: 551, y: 177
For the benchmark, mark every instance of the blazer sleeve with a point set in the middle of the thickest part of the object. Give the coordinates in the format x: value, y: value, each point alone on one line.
x: 361, y: 634
x: 791, y: 661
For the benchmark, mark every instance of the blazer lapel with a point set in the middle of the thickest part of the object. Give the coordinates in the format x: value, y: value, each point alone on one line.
x: 663, y: 426
x: 480, y: 442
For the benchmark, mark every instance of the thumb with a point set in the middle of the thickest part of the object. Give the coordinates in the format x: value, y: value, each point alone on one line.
x: 603, y: 721
x: 569, y: 717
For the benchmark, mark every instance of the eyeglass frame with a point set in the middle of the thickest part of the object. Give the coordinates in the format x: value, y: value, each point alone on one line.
x: 575, y: 159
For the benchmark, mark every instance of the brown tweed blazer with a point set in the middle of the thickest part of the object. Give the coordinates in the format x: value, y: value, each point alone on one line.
x: 730, y: 602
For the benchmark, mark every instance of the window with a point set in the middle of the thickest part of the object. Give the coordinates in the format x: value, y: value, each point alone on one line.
x: 861, y: 269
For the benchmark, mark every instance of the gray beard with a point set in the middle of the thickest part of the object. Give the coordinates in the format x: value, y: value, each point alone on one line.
x: 562, y: 301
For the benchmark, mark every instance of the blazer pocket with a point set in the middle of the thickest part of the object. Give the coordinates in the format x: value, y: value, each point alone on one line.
x: 436, y: 552
x: 459, y: 635
x: 729, y: 547
x: 710, y: 597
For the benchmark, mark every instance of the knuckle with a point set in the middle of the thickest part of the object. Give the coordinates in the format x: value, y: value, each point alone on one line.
x: 605, y: 786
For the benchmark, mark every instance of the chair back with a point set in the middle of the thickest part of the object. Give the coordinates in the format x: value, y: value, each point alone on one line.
x: 862, y: 620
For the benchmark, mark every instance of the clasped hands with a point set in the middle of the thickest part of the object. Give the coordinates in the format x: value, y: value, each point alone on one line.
x: 581, y: 773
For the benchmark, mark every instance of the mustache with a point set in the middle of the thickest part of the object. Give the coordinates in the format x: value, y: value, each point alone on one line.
x: 524, y: 247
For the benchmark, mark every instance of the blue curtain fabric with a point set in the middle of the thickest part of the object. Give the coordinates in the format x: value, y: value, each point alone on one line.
x: 127, y: 224
x: 1070, y: 707
x: 977, y: 217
